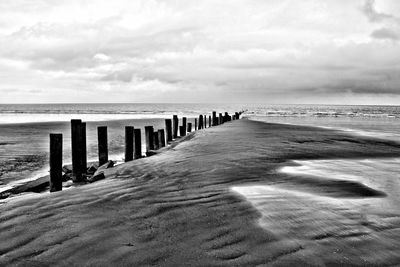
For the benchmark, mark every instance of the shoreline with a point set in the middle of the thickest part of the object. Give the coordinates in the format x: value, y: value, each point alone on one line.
x: 177, y: 207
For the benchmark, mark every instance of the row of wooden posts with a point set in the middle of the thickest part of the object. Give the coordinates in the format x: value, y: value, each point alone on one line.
x: 133, y: 143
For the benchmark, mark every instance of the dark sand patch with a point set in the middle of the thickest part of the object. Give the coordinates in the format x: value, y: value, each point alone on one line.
x: 176, y: 208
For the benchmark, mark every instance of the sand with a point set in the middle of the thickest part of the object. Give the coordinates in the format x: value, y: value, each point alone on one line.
x: 180, y: 207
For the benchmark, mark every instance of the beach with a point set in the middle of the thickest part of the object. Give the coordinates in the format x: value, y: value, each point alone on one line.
x: 223, y: 196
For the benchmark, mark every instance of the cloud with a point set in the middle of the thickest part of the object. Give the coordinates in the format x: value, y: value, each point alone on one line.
x: 385, y: 33
x: 158, y: 50
x: 372, y: 14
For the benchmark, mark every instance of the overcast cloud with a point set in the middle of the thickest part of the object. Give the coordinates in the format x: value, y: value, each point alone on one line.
x: 273, y: 51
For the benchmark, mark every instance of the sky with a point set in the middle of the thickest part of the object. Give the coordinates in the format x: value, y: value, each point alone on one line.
x: 250, y: 51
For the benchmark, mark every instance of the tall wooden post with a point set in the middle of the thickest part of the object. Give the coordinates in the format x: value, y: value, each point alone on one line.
x: 102, y: 144
x: 161, y: 138
x: 195, y: 124
x: 156, y: 141
x: 200, y: 122
x: 184, y: 124
x: 128, y: 143
x: 214, y: 118
x: 209, y: 121
x: 220, y: 118
x: 168, y: 128
x: 149, y: 132
x: 56, y: 142
x: 205, y: 121
x: 76, y: 150
x: 84, y: 148
x: 137, y: 136
x: 182, y: 131
x: 189, y: 127
x: 175, y: 123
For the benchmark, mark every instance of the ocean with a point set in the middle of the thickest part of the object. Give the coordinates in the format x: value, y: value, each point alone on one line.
x: 25, y: 129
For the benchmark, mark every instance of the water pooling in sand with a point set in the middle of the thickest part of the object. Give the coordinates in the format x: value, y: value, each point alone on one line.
x: 343, y: 207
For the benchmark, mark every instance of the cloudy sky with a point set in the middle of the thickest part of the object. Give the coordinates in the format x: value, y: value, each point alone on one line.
x: 271, y: 51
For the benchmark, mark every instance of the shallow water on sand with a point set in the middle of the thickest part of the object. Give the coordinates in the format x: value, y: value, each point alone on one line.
x: 345, y: 209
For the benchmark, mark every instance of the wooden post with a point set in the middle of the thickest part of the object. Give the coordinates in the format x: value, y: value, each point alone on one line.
x: 209, y: 121
x: 214, y: 118
x: 149, y: 132
x: 56, y: 142
x: 200, y: 122
x: 84, y: 148
x: 76, y: 150
x: 205, y: 121
x: 156, y: 141
x: 161, y: 138
x: 128, y: 143
x: 220, y: 119
x: 189, y: 127
x: 226, y: 117
x: 184, y: 124
x: 182, y: 131
x: 195, y: 124
x: 168, y: 128
x: 102, y: 144
x: 175, y: 122
x: 237, y: 115
x: 137, y: 136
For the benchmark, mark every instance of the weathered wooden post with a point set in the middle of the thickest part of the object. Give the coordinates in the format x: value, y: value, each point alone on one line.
x: 209, y: 121
x: 236, y: 115
x: 168, y: 128
x: 76, y: 150
x: 161, y: 138
x: 56, y: 142
x: 182, y: 131
x: 189, y: 127
x: 184, y: 124
x: 195, y: 124
x: 149, y: 132
x: 128, y: 143
x: 205, y: 121
x: 214, y: 118
x: 84, y: 148
x: 220, y: 121
x: 156, y: 141
x: 137, y: 136
x: 200, y: 122
x: 175, y: 122
x: 226, y: 117
x: 102, y: 144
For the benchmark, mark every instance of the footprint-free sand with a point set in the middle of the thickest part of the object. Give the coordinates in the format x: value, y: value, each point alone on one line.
x: 217, y: 198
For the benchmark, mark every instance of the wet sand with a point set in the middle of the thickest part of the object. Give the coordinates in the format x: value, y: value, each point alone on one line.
x: 187, y: 206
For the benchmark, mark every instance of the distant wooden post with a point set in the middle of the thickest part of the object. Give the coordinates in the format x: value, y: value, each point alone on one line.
x: 128, y: 143
x: 102, y: 144
x: 205, y: 121
x: 182, y: 131
x: 214, y: 118
x: 161, y: 138
x: 137, y: 136
x: 83, y: 148
x: 156, y: 141
x: 56, y: 142
x: 76, y: 150
x: 189, y: 127
x: 220, y: 119
x: 175, y: 122
x: 209, y: 121
x: 226, y: 117
x: 195, y: 124
x: 149, y: 132
x: 184, y: 124
x: 200, y: 122
x: 168, y: 128
x: 237, y: 115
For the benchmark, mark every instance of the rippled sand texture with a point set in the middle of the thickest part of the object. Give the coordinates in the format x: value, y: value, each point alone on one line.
x: 177, y: 207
